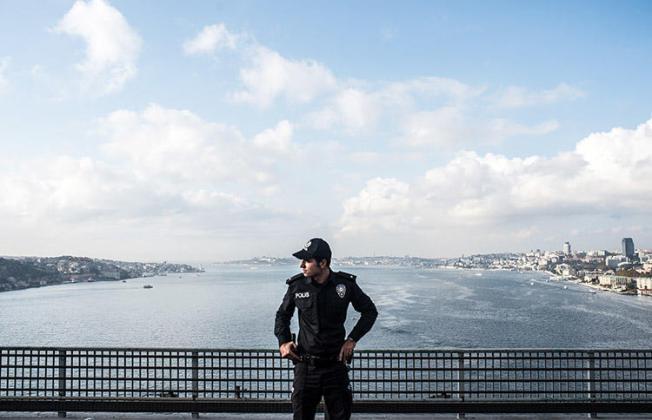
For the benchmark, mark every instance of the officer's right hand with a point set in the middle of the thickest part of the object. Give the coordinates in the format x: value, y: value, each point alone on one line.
x: 289, y: 351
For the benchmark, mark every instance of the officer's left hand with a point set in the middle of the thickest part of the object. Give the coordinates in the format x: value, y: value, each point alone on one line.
x: 346, y: 352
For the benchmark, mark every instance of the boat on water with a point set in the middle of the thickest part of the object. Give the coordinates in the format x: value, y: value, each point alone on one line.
x: 148, y: 286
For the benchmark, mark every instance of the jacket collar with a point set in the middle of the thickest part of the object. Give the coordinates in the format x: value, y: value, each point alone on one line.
x: 328, y: 281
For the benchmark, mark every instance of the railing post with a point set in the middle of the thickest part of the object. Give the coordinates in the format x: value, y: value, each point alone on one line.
x: 195, y: 380
x: 460, y: 380
x: 62, y: 378
x: 589, y: 381
x: 1, y: 353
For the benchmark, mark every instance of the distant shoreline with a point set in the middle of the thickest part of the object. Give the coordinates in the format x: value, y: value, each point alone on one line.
x: 35, y: 272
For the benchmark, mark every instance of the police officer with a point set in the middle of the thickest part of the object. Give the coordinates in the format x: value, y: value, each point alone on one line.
x: 322, y: 297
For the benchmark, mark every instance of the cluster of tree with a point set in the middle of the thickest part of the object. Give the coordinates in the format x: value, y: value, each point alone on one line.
x: 16, y: 274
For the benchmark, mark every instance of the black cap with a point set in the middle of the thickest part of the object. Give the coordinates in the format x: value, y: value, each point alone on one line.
x: 316, y: 248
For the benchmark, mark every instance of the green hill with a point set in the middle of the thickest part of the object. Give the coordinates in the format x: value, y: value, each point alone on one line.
x: 15, y: 274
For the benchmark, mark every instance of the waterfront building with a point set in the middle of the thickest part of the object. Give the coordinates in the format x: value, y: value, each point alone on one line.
x: 591, y: 276
x: 620, y: 282
x: 644, y: 286
x: 565, y: 270
x: 628, y: 248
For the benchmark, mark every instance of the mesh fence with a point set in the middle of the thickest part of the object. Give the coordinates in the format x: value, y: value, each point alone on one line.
x: 402, y: 375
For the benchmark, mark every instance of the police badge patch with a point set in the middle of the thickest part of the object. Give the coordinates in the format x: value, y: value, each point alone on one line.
x: 341, y: 290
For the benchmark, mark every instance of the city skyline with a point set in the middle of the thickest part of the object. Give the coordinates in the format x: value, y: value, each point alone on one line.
x: 214, y: 131
x: 614, y: 250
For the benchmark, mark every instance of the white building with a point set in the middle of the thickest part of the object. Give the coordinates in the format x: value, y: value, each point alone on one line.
x: 567, y: 248
x: 616, y: 282
x: 565, y: 270
x: 612, y: 261
x: 597, y: 253
x: 644, y: 286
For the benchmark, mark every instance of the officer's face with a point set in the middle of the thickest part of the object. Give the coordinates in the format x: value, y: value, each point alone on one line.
x: 310, y: 268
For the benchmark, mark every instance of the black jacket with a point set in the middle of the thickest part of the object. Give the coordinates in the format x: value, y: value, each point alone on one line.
x: 322, y: 312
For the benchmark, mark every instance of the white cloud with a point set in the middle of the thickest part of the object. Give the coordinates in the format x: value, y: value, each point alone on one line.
x: 158, y: 163
x: 211, y: 38
x: 271, y: 76
x: 430, y: 87
x: 364, y: 158
x: 66, y: 188
x: 85, y: 190
x: 518, y: 97
x: 351, y: 108
x: 480, y: 189
x: 445, y: 126
x: 606, y: 173
x: 162, y: 173
x: 84, y: 206
x: 356, y: 108
x: 452, y: 126
x: 501, y: 128
x: 267, y: 75
x: 176, y: 144
x: 360, y: 107
x: 4, y: 82
x: 112, y: 46
x: 420, y: 112
x: 384, y: 203
x: 462, y: 118
x: 620, y: 162
x: 276, y: 140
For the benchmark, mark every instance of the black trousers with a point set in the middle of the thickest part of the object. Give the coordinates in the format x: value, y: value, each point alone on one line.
x: 311, y: 382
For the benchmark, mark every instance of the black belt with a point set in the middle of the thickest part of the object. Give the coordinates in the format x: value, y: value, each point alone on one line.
x: 318, y: 361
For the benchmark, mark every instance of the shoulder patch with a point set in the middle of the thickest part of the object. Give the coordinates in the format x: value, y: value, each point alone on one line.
x: 294, y: 278
x: 347, y: 276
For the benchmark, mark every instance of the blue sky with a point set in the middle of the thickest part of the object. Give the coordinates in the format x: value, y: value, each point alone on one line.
x: 216, y: 130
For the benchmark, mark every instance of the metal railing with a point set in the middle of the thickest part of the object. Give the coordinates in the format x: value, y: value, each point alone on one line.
x: 205, y: 380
